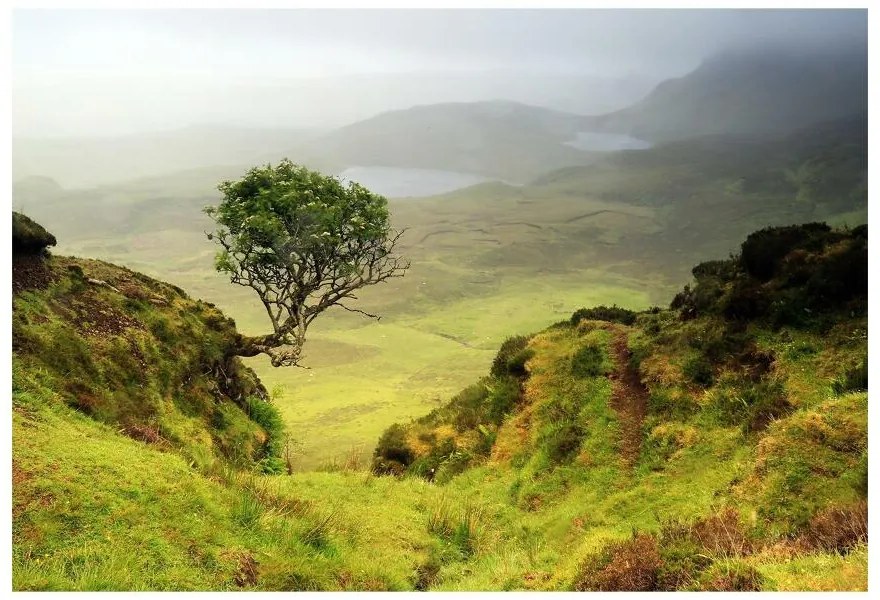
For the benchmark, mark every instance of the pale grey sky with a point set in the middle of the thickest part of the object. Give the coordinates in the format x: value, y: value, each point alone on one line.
x: 106, y: 72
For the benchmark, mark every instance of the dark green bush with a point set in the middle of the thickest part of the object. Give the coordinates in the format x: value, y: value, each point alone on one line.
x: 511, y: 357
x: 28, y: 236
x: 764, y: 250
x: 711, y: 280
x: 699, y: 370
x: 840, y: 276
x: 716, y: 269
x: 502, y: 399
x: 799, y: 275
x: 562, y: 441
x: 392, y: 454
x: 744, y: 301
x: 516, y: 365
x: 589, y: 361
x: 613, y: 314
x: 454, y: 463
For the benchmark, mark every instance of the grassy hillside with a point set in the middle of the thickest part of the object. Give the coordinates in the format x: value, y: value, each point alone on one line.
x: 749, y: 92
x: 488, y: 262
x: 720, y: 444
x: 504, y: 140
x: 141, y: 357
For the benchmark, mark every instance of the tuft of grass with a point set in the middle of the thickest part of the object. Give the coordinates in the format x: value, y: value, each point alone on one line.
x: 459, y: 525
x: 247, y: 510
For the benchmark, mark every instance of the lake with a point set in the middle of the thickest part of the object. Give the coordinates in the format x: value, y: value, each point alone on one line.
x: 591, y: 141
x: 399, y: 182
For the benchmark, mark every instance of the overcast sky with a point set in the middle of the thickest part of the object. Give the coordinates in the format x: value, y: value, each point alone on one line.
x: 105, y: 72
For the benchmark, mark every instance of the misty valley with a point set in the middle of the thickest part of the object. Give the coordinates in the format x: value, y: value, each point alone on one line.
x: 396, y: 182
x: 538, y: 333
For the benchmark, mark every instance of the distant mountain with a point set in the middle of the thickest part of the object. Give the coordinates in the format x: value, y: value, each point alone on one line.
x: 499, y: 139
x: 85, y: 162
x: 749, y: 93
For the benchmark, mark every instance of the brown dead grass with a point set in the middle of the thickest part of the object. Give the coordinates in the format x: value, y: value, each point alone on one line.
x: 631, y: 565
x: 837, y: 528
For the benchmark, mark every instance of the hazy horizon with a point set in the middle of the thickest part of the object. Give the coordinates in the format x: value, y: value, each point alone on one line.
x: 107, y: 73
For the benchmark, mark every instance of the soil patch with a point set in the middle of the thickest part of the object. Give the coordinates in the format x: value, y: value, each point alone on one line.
x: 30, y: 273
x: 629, y: 398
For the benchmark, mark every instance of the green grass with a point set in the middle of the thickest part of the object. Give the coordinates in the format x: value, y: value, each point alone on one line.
x: 487, y: 262
x: 93, y: 509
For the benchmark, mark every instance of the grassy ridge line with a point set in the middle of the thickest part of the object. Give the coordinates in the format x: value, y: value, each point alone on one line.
x: 740, y: 414
x: 488, y: 246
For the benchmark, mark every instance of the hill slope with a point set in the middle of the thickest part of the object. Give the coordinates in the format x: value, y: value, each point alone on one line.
x: 730, y: 431
x: 505, y: 140
x: 719, y: 445
x: 755, y: 93
x: 488, y: 261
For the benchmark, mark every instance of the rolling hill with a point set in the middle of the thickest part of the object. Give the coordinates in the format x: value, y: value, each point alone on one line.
x: 623, y: 230
x: 505, y: 140
x: 760, y: 92
x: 720, y: 444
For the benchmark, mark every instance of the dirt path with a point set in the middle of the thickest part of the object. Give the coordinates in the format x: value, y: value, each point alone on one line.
x: 629, y: 398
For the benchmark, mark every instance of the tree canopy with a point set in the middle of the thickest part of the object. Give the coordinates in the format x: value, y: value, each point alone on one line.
x: 304, y: 242
x: 28, y: 236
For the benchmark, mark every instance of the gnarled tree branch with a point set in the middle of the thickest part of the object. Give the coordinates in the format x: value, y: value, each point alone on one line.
x: 304, y: 243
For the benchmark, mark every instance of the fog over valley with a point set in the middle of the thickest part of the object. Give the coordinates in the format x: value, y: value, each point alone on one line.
x: 537, y: 300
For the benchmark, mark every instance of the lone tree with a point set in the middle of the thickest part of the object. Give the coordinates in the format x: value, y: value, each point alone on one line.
x: 304, y: 242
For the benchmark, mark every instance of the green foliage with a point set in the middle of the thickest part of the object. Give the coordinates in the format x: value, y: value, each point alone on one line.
x: 426, y: 573
x: 612, y: 314
x: 511, y: 357
x: 699, y: 370
x: 28, y: 236
x: 588, y: 361
x: 304, y: 242
x: 683, y: 559
x: 107, y: 354
x: 459, y: 525
x: 503, y: 396
x: 810, y: 459
x: 753, y: 405
x: 799, y: 275
x: 763, y: 251
x: 247, y: 510
x: 731, y: 576
x: 562, y: 440
x: 665, y: 404
x: 853, y: 380
x: 266, y: 414
x: 392, y: 454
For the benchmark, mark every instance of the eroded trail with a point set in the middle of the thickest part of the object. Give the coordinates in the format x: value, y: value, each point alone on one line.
x: 629, y: 398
